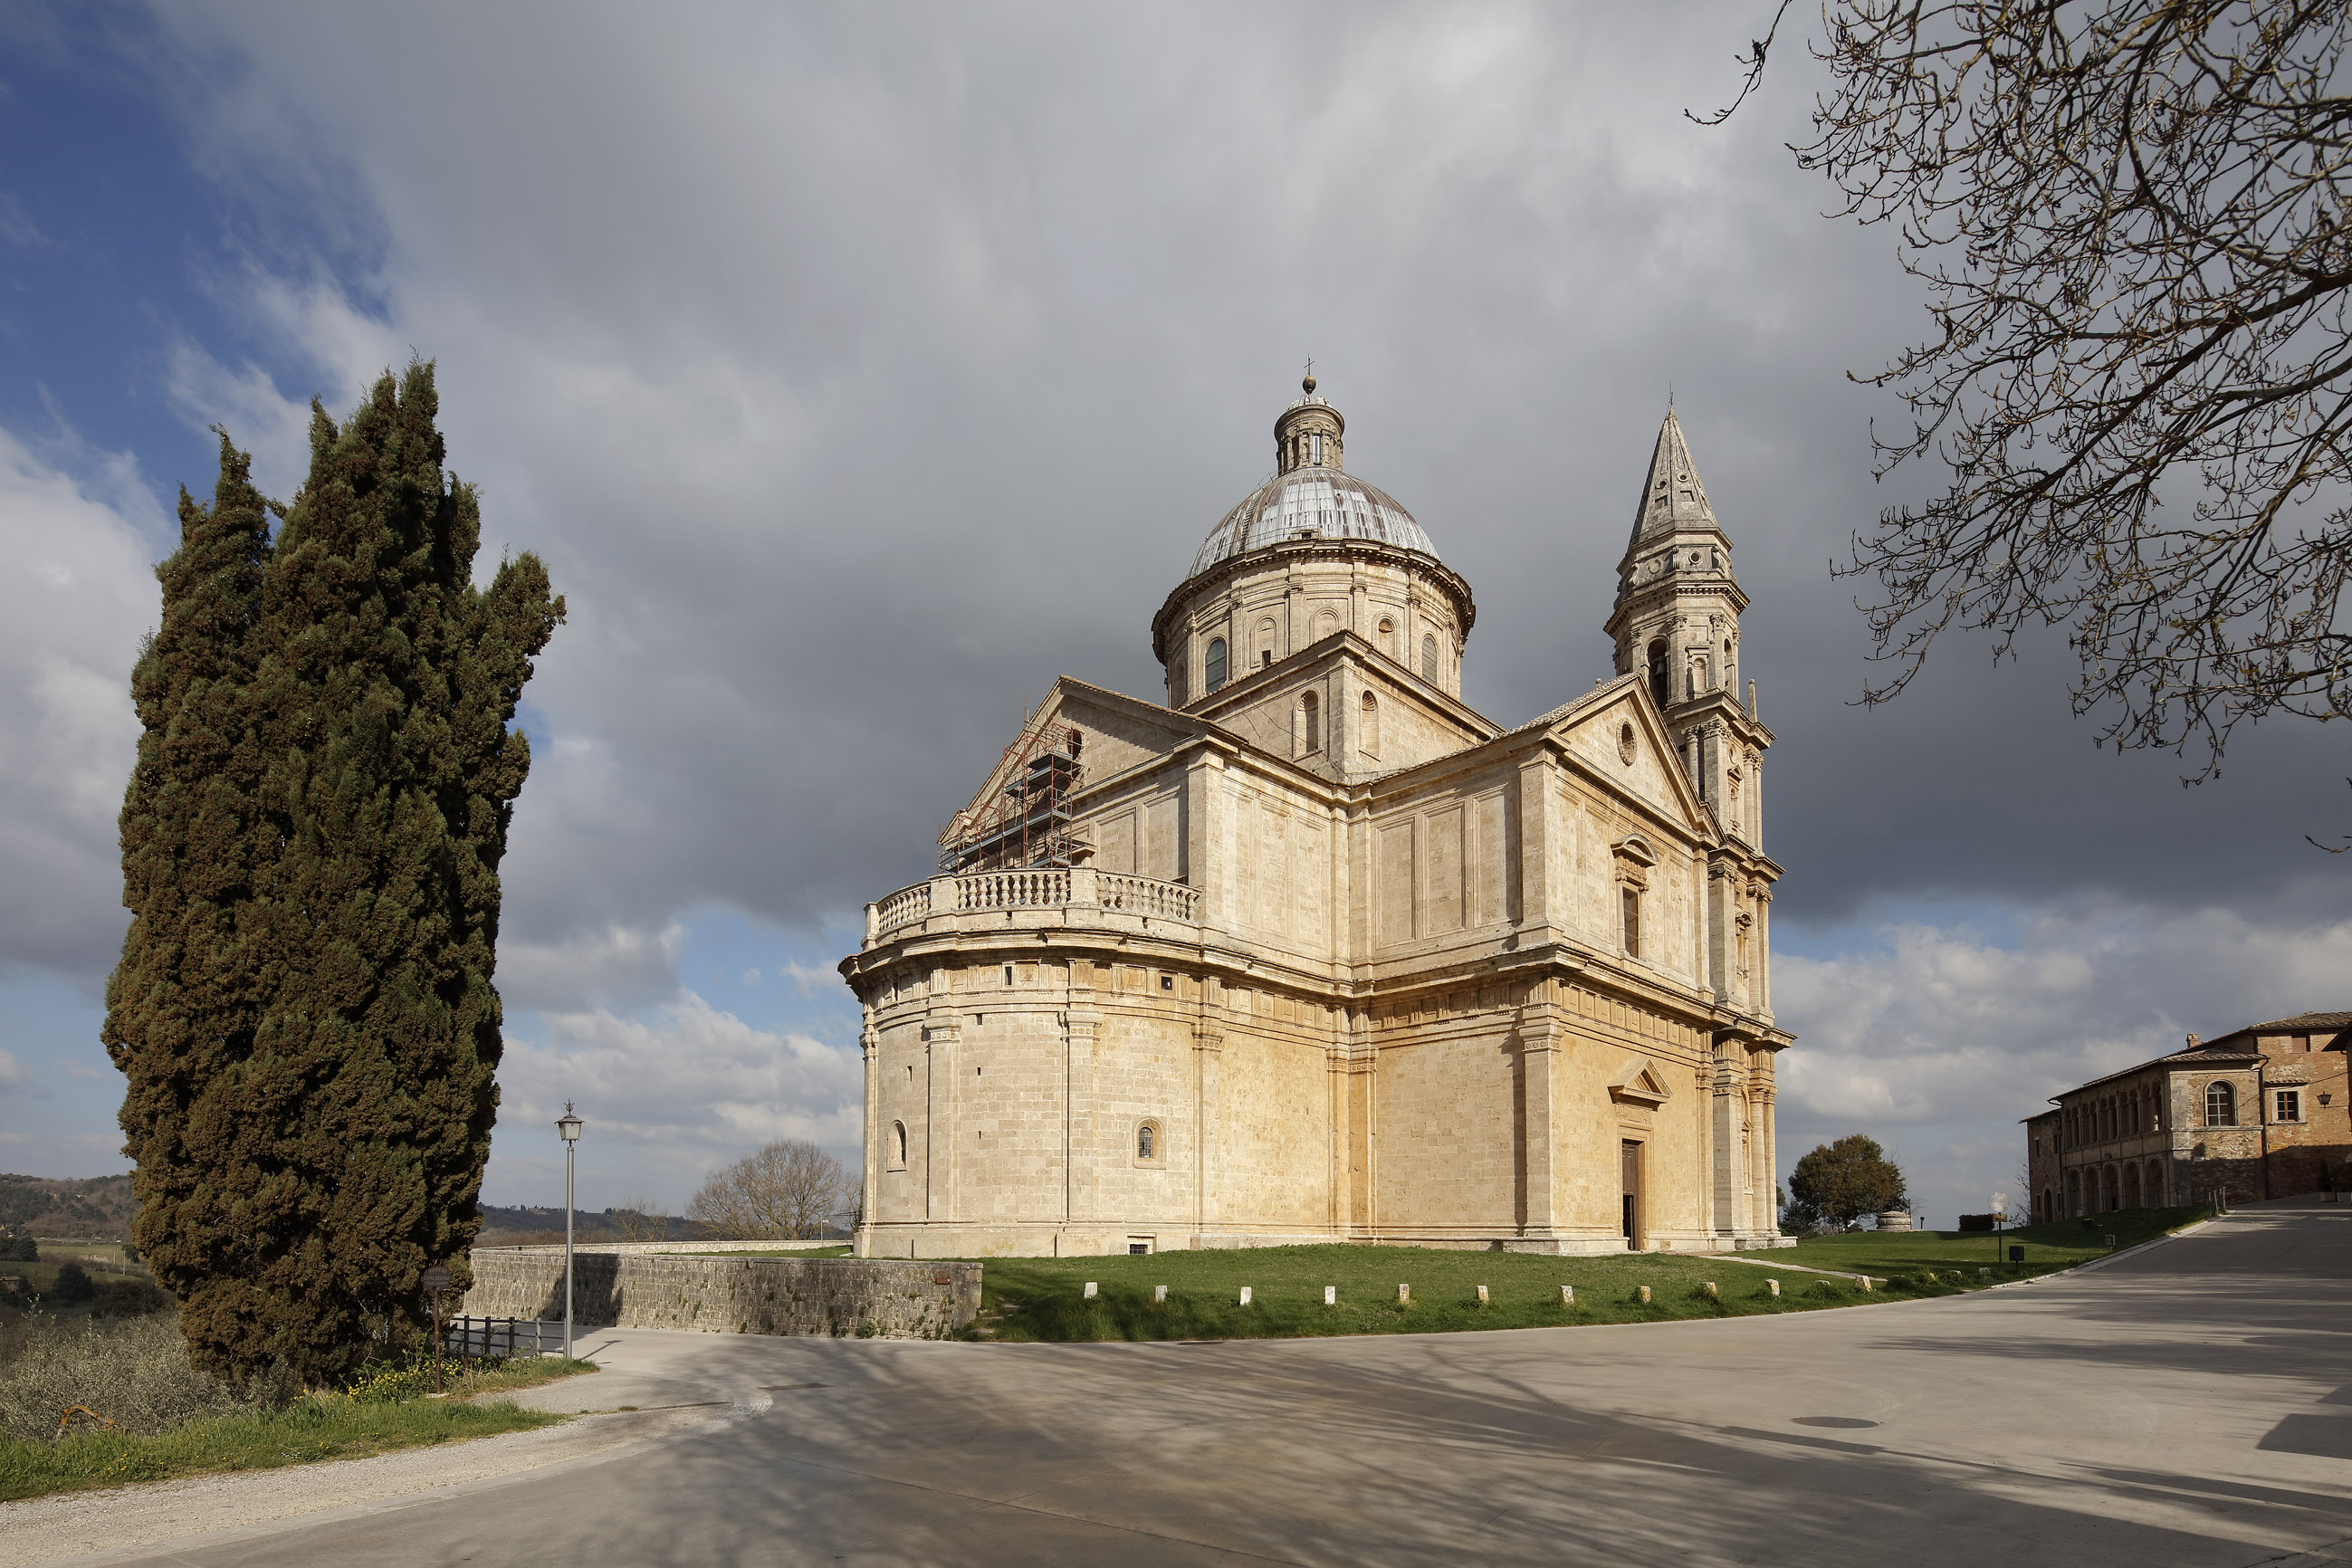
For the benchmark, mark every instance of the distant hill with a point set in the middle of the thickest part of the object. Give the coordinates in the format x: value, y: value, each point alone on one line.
x: 98, y: 1208
x: 524, y: 1226
x: 531, y: 1226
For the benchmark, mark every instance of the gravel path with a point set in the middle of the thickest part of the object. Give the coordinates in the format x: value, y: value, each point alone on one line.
x: 96, y: 1526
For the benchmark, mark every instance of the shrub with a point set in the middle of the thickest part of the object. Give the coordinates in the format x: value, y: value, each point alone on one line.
x: 128, y: 1298
x: 14, y: 1249
x: 73, y: 1286
x: 132, y: 1371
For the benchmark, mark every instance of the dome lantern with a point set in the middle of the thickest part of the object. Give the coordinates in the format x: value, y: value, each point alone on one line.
x: 1308, y: 434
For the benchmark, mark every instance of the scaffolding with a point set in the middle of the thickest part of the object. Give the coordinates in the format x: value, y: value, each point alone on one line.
x: 1028, y: 822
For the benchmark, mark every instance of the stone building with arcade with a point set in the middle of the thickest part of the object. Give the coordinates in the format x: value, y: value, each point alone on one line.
x: 1310, y: 950
x: 2259, y: 1112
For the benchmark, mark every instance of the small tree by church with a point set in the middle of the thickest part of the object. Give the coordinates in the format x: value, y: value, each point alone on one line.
x: 1842, y: 1181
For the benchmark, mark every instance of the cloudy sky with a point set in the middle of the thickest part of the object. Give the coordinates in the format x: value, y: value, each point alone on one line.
x: 858, y: 370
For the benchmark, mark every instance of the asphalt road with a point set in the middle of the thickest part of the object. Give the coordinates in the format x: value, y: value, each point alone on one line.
x: 2187, y: 1405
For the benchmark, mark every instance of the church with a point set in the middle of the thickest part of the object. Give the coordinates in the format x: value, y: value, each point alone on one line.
x: 1313, y: 950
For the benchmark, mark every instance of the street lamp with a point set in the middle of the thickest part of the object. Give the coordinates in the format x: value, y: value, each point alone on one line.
x: 567, y: 1125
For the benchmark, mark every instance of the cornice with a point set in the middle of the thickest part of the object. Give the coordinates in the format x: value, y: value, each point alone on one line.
x: 1288, y: 554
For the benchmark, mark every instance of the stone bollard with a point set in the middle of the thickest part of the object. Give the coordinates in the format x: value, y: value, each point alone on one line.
x: 1706, y: 1287
x: 1482, y: 1295
x: 1642, y: 1294
x: 1404, y: 1295
x: 1245, y: 1295
x: 1159, y: 1292
x: 1568, y: 1295
x: 1772, y: 1287
x: 1090, y: 1290
x: 1330, y: 1295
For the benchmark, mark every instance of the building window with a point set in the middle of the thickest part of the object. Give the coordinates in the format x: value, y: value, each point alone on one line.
x: 899, y: 1144
x: 1629, y: 904
x: 1265, y: 644
x: 1661, y: 689
x: 1429, y: 659
x: 2221, y: 1105
x: 1310, y: 724
x: 1368, y: 726
x: 1216, y: 670
x: 2290, y: 1105
x: 1150, y: 1144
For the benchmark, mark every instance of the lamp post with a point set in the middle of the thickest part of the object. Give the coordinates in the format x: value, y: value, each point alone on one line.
x: 567, y: 1125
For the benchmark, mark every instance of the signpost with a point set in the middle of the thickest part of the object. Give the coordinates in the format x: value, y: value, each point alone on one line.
x: 2000, y: 1216
x: 437, y: 1279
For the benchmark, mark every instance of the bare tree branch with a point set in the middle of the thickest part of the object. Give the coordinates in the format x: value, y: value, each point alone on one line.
x: 2131, y: 217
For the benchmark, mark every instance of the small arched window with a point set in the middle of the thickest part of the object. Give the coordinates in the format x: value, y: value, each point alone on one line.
x: 1215, y: 673
x: 2221, y: 1105
x: 1310, y: 722
x: 898, y: 1142
x: 1368, y: 726
x: 1661, y: 690
x: 1429, y: 659
x: 1150, y: 1144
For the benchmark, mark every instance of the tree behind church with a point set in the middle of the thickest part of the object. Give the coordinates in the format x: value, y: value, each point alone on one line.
x: 788, y: 1190
x: 1842, y: 1181
x: 311, y: 840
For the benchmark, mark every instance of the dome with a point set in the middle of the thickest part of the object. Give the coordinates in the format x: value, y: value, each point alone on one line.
x: 1311, y: 502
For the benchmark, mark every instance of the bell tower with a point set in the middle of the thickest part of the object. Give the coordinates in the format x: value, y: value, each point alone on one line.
x: 1677, y: 623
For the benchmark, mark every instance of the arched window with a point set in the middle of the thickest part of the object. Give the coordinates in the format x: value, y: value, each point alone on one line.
x: 1216, y: 662
x: 1388, y: 638
x: 1265, y: 643
x: 1310, y: 722
x: 2154, y: 1190
x: 1661, y: 689
x: 1629, y: 906
x: 1150, y: 1144
x: 1429, y: 659
x: 1368, y: 726
x: 898, y: 1142
x: 2221, y: 1105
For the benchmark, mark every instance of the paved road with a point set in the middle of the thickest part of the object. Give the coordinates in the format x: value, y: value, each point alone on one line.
x: 2184, y: 1405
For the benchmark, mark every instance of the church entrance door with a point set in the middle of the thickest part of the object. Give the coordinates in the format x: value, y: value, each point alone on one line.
x: 1629, y: 1162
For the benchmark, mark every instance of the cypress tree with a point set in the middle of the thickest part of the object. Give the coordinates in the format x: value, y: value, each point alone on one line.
x: 316, y: 1159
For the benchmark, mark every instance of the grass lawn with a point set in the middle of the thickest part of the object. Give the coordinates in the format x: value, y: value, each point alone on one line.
x: 1035, y: 1299
x: 1042, y: 1299
x: 2062, y: 1244
x: 324, y: 1427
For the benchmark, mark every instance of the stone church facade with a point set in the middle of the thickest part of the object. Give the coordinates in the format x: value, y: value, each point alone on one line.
x: 1313, y: 950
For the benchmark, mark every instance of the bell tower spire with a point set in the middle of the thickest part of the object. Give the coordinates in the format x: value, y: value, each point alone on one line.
x: 1676, y: 623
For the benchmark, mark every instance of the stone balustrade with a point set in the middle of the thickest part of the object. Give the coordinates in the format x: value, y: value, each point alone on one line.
x: 1078, y: 887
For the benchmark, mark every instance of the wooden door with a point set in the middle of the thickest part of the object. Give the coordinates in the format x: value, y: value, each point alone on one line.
x: 1630, y: 1183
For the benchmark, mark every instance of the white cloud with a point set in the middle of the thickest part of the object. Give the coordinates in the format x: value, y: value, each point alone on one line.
x: 668, y: 1095
x: 1937, y: 1039
x: 78, y: 594
x: 16, y: 1078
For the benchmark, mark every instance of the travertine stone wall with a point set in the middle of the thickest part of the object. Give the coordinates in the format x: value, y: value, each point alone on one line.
x: 842, y: 1297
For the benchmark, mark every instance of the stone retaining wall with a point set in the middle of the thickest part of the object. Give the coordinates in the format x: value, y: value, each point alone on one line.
x: 722, y: 1295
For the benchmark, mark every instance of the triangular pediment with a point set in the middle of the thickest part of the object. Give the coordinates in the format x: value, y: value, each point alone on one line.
x: 1115, y: 731
x: 1616, y: 731
x: 1640, y: 1083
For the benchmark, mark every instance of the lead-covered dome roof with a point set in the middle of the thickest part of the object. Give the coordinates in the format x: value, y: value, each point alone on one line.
x: 1311, y: 502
